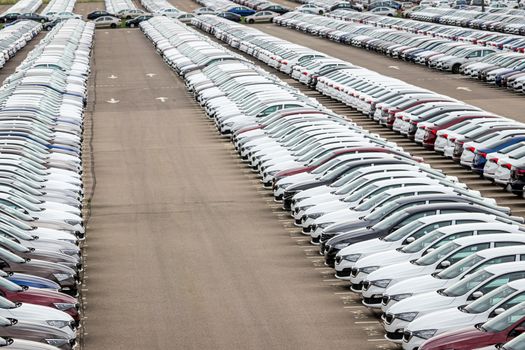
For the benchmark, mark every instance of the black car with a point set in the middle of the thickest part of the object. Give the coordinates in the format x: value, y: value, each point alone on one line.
x: 97, y: 14
x: 402, y: 212
x: 33, y: 17
x: 50, y: 24
x: 230, y: 16
x: 10, y: 17
x: 275, y: 8
x: 134, y: 22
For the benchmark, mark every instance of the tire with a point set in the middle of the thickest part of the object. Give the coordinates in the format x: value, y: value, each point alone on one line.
x: 128, y: 17
x: 132, y: 25
x: 455, y: 68
x: 321, y: 12
x: 48, y: 28
x: 251, y: 21
x: 113, y: 25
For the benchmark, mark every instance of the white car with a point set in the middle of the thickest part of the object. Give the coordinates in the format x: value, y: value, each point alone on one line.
x: 447, y: 255
x: 452, y: 274
x: 347, y: 257
x: 479, y: 311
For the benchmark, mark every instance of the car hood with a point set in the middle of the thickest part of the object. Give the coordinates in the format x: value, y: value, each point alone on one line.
x: 444, y: 320
x: 38, y: 313
x: 383, y: 258
x: 424, y: 302
x: 397, y: 271
x: 417, y: 285
x: 459, y: 336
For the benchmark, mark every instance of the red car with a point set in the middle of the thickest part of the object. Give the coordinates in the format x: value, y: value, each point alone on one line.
x: 37, y: 296
x: 498, y: 330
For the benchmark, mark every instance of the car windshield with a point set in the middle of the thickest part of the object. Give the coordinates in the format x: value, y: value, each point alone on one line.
x: 505, y: 320
x: 353, y: 186
x: 10, y: 286
x: 372, y: 202
x: 6, y: 304
x: 493, y: 298
x: 402, y: 232
x: 436, y: 255
x: 422, y: 242
x: 460, y: 267
x: 466, y: 285
x: 381, y: 212
x: 515, y: 344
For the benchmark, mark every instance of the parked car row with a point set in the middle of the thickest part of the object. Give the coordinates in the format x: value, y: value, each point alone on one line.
x: 122, y: 8
x: 20, y: 7
x: 15, y: 37
x: 493, y: 58
x: 41, y: 222
x: 370, y: 188
x: 500, y: 20
x: 263, y: 5
x: 55, y: 7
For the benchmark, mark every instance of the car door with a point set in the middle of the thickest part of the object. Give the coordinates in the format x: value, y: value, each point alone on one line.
x: 510, y: 302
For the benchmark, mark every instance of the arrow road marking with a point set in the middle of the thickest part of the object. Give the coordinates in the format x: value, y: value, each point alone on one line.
x: 113, y: 101
x: 162, y: 99
x: 151, y: 75
x: 112, y: 77
x: 463, y: 88
x: 393, y: 67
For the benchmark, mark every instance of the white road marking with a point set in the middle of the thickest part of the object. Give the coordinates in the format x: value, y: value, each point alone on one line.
x: 394, y: 67
x: 112, y: 77
x: 113, y: 101
x: 463, y: 88
x: 151, y: 75
x: 162, y: 99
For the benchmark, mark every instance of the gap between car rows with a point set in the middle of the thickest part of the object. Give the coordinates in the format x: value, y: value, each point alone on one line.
x: 184, y: 249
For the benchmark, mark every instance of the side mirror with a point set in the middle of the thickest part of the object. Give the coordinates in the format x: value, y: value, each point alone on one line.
x: 499, y: 311
x: 410, y: 240
x: 477, y: 294
x: 444, y: 264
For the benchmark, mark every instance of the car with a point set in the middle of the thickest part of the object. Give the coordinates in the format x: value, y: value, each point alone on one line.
x: 20, y: 344
x: 261, y: 16
x: 498, y: 330
x: 274, y: 8
x: 515, y: 344
x: 204, y: 11
x: 184, y: 17
x: 130, y: 13
x: 134, y: 22
x: 488, y: 306
x: 242, y: 11
x: 33, y: 17
x: 384, y: 11
x: 34, y: 333
x: 107, y: 22
x: 96, y: 14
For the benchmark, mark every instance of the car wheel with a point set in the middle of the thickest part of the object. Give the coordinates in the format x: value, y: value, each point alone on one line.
x: 321, y: 12
x: 113, y: 25
x: 48, y: 28
x: 455, y: 68
x: 251, y: 21
x: 128, y: 17
x: 132, y: 25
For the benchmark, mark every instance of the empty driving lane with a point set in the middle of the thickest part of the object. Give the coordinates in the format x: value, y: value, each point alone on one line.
x: 184, y: 250
x: 468, y: 90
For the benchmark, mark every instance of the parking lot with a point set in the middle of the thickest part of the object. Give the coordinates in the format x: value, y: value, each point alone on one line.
x: 185, y: 247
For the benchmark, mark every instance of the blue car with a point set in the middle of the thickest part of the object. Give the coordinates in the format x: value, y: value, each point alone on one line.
x: 480, y: 158
x: 241, y: 10
x: 23, y: 279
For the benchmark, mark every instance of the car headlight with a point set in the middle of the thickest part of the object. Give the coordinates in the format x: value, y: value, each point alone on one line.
x: 61, y: 276
x: 58, y: 323
x: 399, y: 297
x: 407, y: 316
x: 425, y: 333
x: 369, y: 269
x: 381, y: 283
x: 64, y: 306
x: 57, y: 342
x: 352, y: 257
